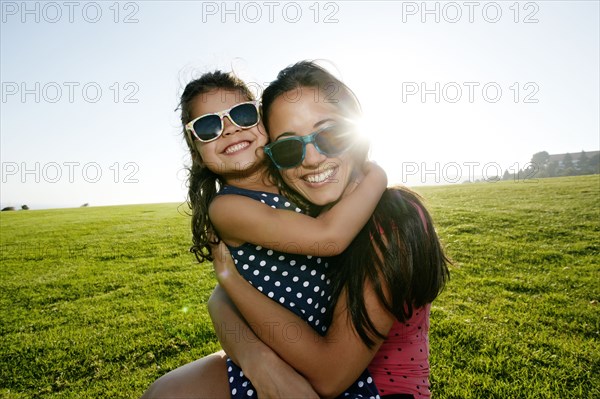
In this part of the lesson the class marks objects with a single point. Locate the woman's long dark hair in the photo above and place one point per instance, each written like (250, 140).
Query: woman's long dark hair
(412, 268)
(203, 183)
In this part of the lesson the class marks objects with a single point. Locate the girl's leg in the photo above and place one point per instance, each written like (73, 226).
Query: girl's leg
(204, 378)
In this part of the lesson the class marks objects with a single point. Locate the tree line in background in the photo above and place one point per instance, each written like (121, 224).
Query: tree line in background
(542, 165)
(26, 208)
(545, 165)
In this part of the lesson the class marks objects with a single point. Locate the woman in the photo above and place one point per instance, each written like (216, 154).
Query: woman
(385, 280)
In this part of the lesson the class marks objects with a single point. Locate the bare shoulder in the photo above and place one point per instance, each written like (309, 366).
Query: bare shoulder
(236, 217)
(232, 206)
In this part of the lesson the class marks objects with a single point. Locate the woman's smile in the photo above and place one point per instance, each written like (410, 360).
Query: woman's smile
(321, 177)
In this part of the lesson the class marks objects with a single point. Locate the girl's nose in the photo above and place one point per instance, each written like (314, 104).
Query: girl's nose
(229, 127)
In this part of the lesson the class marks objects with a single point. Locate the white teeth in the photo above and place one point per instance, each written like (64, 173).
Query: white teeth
(236, 147)
(321, 177)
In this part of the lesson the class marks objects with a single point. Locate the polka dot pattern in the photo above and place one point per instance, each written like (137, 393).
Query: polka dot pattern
(241, 388)
(401, 366)
(297, 282)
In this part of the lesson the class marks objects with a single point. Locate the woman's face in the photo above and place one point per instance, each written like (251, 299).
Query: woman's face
(319, 178)
(236, 149)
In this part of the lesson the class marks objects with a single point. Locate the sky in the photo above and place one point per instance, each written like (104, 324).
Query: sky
(451, 91)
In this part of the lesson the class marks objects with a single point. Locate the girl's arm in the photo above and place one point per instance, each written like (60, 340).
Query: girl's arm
(239, 219)
(270, 375)
(316, 358)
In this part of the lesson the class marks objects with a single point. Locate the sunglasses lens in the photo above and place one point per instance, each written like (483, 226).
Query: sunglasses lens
(334, 140)
(208, 127)
(286, 153)
(244, 115)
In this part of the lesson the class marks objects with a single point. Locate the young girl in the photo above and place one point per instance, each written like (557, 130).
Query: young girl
(231, 197)
(384, 282)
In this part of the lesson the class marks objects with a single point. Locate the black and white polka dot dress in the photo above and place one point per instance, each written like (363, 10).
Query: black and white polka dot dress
(298, 282)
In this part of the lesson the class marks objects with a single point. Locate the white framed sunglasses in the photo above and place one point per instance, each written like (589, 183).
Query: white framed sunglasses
(209, 127)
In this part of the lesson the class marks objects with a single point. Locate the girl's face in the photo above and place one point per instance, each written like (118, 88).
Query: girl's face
(237, 149)
(320, 179)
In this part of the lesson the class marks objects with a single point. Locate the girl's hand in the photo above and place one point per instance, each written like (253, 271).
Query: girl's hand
(271, 376)
(375, 173)
(223, 262)
(372, 176)
(274, 378)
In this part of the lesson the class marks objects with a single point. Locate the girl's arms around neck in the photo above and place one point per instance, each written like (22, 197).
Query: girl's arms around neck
(240, 219)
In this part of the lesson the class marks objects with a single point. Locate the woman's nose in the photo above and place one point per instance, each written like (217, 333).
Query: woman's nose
(312, 157)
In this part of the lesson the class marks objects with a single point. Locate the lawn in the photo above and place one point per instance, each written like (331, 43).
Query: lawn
(98, 302)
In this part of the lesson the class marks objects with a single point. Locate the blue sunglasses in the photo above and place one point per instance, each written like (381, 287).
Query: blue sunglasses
(289, 152)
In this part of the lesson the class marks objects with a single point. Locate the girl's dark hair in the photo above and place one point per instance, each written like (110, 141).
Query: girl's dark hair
(397, 251)
(203, 183)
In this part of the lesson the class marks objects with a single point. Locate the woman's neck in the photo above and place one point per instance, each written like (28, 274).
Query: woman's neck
(353, 182)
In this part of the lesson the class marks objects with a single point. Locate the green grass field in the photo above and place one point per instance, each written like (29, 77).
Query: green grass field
(99, 302)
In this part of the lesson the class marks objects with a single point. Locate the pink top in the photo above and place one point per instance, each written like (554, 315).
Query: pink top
(402, 363)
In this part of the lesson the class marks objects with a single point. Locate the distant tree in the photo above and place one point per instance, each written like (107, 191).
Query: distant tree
(506, 175)
(567, 161)
(84, 205)
(594, 164)
(583, 163)
(540, 159)
(570, 171)
(532, 171)
(8, 208)
(24, 207)
(552, 169)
